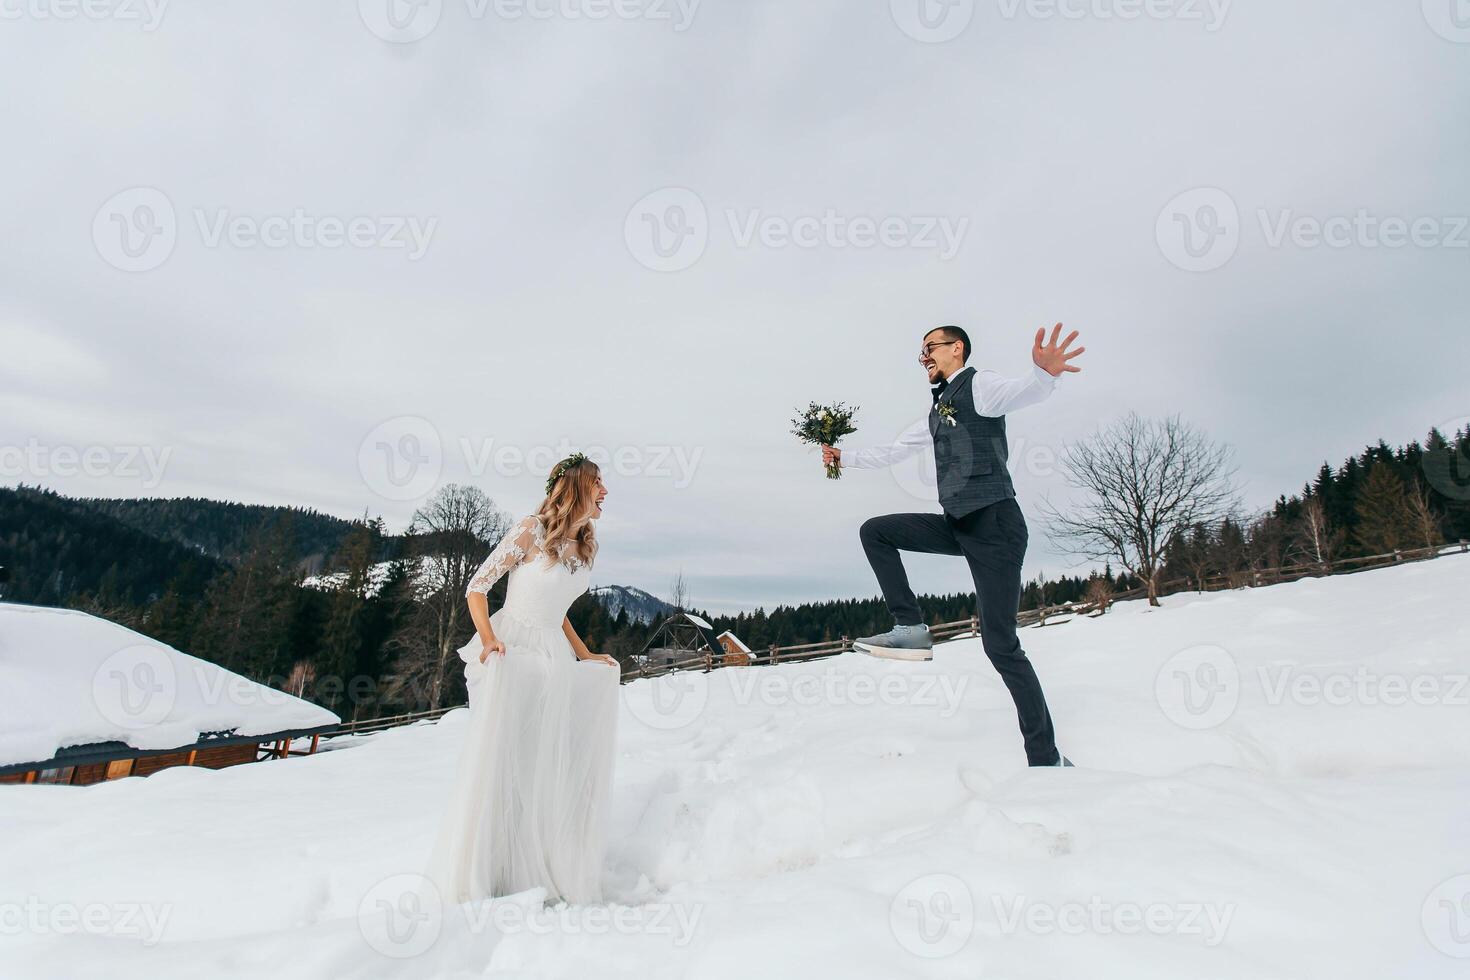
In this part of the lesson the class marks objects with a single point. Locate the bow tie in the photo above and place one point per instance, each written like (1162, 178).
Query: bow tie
(939, 390)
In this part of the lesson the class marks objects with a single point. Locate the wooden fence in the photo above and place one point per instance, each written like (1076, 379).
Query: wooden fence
(960, 628)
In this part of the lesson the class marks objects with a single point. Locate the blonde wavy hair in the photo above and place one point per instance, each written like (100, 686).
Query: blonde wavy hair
(566, 513)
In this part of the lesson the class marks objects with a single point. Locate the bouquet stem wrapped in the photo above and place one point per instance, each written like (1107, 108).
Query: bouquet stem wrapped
(824, 425)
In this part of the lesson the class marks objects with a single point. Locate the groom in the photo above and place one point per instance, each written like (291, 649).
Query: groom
(966, 429)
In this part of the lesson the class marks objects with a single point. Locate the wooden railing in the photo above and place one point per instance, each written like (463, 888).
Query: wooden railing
(960, 628)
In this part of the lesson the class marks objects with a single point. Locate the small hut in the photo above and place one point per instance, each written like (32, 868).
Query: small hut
(85, 700)
(737, 654)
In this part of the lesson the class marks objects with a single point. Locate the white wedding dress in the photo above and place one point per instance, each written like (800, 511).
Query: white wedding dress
(529, 804)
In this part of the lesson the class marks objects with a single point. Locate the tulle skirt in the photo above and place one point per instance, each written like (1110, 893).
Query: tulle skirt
(529, 803)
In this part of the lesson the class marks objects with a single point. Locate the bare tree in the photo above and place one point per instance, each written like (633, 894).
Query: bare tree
(1315, 541)
(1144, 483)
(1426, 522)
(449, 538)
(679, 593)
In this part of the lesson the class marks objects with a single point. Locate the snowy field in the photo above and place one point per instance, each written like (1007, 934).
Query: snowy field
(1271, 783)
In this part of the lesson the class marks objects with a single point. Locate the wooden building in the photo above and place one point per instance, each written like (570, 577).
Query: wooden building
(86, 700)
(737, 654)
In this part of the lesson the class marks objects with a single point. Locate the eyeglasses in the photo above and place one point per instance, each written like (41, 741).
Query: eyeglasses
(928, 348)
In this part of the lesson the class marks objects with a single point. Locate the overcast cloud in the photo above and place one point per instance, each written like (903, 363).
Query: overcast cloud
(249, 245)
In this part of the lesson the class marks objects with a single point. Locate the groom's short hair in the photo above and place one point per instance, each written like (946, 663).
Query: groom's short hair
(952, 334)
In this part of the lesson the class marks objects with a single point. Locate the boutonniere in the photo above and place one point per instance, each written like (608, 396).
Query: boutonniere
(947, 413)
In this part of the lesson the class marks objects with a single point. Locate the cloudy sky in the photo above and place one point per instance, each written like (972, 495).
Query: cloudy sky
(336, 254)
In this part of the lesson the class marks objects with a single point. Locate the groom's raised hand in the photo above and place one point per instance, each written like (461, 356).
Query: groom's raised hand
(830, 455)
(1052, 357)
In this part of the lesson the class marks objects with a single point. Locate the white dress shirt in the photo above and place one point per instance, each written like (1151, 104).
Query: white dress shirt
(995, 395)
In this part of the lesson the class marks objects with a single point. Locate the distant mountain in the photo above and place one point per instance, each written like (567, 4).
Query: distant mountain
(54, 547)
(643, 607)
(223, 529)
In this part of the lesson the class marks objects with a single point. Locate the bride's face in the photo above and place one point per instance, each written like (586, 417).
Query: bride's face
(601, 490)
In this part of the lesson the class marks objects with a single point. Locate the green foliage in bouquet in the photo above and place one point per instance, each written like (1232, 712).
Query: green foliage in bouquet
(823, 425)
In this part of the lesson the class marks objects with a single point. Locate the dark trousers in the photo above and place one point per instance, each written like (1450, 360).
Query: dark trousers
(993, 541)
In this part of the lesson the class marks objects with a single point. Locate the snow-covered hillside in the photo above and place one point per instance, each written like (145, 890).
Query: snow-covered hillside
(1271, 783)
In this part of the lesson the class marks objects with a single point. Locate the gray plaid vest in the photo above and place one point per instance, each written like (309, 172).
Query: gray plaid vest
(970, 455)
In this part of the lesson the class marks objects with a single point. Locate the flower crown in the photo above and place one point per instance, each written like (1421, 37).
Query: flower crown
(560, 469)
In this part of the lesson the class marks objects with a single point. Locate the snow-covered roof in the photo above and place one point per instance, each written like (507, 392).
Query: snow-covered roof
(697, 621)
(739, 643)
(68, 678)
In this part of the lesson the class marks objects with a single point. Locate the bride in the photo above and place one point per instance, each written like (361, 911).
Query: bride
(529, 802)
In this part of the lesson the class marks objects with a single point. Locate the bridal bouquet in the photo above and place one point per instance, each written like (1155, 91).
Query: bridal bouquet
(823, 425)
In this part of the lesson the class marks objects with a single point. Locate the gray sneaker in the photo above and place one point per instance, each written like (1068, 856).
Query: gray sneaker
(899, 643)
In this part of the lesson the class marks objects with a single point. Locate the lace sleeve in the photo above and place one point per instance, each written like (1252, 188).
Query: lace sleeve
(518, 545)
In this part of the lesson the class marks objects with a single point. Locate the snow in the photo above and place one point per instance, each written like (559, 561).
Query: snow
(1300, 811)
(698, 621)
(68, 678)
